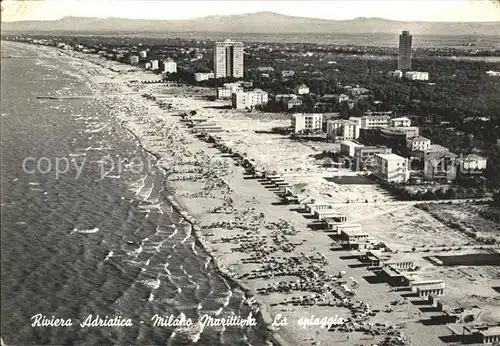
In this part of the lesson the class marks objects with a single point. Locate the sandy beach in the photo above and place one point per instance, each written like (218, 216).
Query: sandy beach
(292, 271)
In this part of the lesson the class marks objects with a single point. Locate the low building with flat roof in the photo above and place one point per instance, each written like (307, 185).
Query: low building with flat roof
(436, 289)
(330, 215)
(417, 75)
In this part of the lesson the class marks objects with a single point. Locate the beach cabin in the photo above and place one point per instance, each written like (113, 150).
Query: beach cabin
(478, 333)
(392, 275)
(270, 176)
(332, 216)
(375, 258)
(436, 289)
(424, 283)
(360, 244)
(208, 129)
(351, 235)
(289, 196)
(402, 261)
(194, 120)
(337, 227)
(281, 185)
(201, 124)
(490, 335)
(311, 207)
(275, 180)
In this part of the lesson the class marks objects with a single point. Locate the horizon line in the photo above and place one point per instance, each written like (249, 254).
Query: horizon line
(239, 14)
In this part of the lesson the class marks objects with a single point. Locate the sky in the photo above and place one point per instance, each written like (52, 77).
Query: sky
(407, 10)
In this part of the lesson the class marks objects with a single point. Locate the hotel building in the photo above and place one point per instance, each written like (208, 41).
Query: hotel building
(228, 59)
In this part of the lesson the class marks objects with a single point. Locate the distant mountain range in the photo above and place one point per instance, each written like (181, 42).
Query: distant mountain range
(260, 22)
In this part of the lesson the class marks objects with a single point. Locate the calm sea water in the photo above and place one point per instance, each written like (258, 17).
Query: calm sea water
(73, 247)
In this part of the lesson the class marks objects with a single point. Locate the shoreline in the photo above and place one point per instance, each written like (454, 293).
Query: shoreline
(263, 315)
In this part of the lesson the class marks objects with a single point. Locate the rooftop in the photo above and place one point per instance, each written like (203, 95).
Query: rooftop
(420, 139)
(391, 157)
(352, 143)
(472, 157)
(491, 331)
(439, 155)
(431, 286)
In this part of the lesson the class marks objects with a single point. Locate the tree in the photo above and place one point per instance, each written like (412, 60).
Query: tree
(496, 200)
(450, 194)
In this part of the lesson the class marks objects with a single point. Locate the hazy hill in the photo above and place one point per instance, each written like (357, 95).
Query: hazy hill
(260, 22)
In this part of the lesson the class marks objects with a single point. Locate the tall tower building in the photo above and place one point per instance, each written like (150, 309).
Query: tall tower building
(404, 55)
(228, 59)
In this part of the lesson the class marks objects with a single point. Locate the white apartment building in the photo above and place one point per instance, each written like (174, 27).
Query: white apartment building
(493, 73)
(147, 66)
(374, 121)
(228, 59)
(391, 167)
(307, 121)
(134, 59)
(302, 89)
(418, 143)
(143, 54)
(473, 162)
(228, 89)
(199, 76)
(169, 66)
(395, 74)
(400, 122)
(249, 99)
(154, 64)
(284, 97)
(348, 148)
(342, 129)
(416, 75)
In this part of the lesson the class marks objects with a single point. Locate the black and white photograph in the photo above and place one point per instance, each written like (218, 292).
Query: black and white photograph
(250, 173)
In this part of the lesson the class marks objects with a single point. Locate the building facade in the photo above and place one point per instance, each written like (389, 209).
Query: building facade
(154, 64)
(228, 59)
(417, 75)
(134, 59)
(440, 165)
(228, 90)
(169, 66)
(249, 99)
(404, 52)
(307, 122)
(341, 129)
(200, 76)
(365, 156)
(418, 143)
(374, 121)
(302, 89)
(348, 148)
(396, 138)
(391, 167)
(400, 122)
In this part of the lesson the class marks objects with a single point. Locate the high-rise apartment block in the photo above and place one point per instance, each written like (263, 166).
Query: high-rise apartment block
(404, 55)
(228, 59)
(169, 66)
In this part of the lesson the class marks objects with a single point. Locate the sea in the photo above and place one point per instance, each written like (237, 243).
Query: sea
(76, 243)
